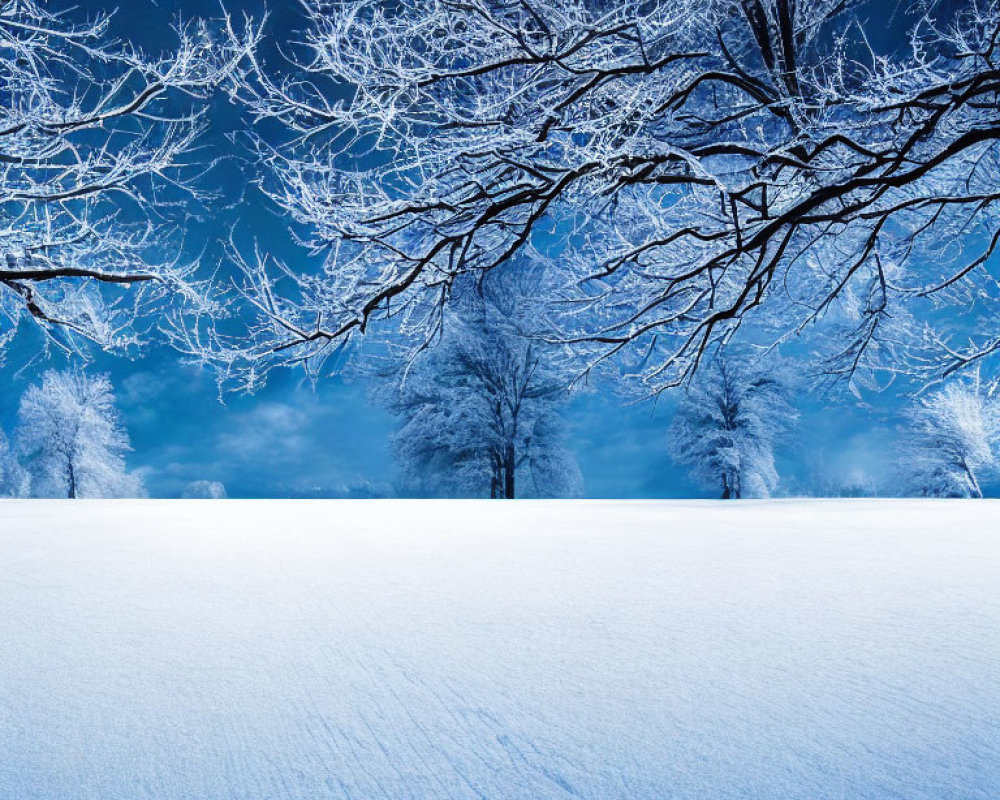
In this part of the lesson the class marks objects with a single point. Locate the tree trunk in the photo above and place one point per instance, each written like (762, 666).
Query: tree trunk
(976, 492)
(725, 487)
(508, 468)
(72, 480)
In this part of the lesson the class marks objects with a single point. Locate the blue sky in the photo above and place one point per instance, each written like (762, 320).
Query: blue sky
(295, 440)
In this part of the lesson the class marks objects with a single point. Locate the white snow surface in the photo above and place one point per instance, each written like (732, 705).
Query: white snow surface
(396, 649)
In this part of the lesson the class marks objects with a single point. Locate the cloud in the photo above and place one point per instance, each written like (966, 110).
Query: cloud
(272, 430)
(141, 388)
(289, 441)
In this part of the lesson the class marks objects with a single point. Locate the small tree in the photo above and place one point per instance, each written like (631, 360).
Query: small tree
(479, 410)
(727, 425)
(205, 490)
(950, 441)
(73, 438)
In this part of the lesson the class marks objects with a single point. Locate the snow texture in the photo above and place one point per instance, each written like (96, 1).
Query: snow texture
(822, 649)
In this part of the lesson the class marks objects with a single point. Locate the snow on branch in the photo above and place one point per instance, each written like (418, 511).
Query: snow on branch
(687, 165)
(95, 139)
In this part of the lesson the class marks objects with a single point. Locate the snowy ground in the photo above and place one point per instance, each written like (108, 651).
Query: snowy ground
(271, 650)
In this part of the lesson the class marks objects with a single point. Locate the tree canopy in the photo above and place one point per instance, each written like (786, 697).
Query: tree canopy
(96, 148)
(687, 167)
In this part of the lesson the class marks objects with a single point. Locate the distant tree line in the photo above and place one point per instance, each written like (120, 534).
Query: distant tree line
(482, 416)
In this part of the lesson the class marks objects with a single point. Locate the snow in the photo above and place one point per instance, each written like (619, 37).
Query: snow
(397, 649)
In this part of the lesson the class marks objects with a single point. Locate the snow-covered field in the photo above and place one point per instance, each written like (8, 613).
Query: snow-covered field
(270, 650)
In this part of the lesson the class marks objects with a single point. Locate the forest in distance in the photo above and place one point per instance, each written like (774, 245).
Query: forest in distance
(497, 229)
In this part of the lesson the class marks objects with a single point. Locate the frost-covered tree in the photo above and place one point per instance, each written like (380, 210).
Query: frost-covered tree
(72, 438)
(96, 144)
(690, 165)
(727, 425)
(479, 409)
(204, 490)
(13, 477)
(950, 441)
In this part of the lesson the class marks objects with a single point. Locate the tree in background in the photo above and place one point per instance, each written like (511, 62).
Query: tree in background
(72, 438)
(728, 422)
(96, 143)
(701, 164)
(204, 490)
(479, 410)
(951, 439)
